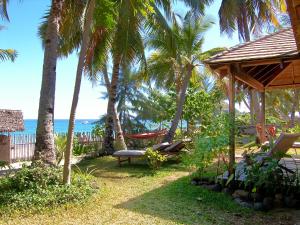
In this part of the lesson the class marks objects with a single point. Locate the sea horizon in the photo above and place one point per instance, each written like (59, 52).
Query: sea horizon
(60, 125)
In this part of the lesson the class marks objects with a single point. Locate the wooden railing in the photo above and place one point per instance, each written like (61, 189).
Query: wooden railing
(22, 145)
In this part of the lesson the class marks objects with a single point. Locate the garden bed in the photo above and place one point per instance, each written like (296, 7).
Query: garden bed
(133, 194)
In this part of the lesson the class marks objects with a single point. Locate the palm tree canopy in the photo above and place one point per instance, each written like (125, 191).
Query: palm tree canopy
(3, 9)
(8, 54)
(247, 16)
(176, 47)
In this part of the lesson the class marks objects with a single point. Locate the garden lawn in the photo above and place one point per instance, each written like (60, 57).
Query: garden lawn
(132, 194)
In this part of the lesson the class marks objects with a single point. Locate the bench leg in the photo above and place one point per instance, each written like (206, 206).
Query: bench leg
(119, 161)
(129, 160)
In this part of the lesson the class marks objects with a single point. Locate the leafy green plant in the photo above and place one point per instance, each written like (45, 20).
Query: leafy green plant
(38, 186)
(98, 130)
(60, 141)
(264, 176)
(155, 159)
(212, 142)
(4, 165)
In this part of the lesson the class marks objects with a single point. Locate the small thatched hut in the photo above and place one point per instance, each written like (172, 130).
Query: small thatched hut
(11, 120)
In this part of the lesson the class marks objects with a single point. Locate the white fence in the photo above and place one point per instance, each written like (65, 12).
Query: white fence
(22, 145)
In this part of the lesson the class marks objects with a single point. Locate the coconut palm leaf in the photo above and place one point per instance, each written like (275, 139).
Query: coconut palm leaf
(3, 9)
(8, 54)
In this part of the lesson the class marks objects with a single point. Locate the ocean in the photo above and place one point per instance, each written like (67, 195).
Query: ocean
(60, 126)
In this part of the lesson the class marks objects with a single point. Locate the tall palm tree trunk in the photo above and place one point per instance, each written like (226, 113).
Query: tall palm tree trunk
(84, 46)
(170, 135)
(44, 146)
(112, 115)
(115, 115)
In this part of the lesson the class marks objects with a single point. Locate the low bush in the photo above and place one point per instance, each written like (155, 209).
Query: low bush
(81, 149)
(155, 159)
(36, 187)
(210, 144)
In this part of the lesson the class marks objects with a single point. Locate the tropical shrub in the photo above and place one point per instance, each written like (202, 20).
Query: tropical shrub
(264, 177)
(212, 142)
(60, 141)
(4, 165)
(39, 186)
(154, 158)
(98, 130)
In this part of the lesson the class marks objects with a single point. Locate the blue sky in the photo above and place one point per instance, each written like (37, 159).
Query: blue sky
(21, 80)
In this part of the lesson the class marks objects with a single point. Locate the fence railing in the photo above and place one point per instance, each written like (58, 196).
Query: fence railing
(22, 145)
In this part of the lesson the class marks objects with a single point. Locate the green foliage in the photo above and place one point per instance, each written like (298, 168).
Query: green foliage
(105, 14)
(295, 129)
(60, 141)
(155, 159)
(274, 120)
(8, 54)
(98, 130)
(266, 176)
(219, 126)
(242, 119)
(80, 149)
(200, 105)
(35, 177)
(212, 141)
(4, 165)
(39, 186)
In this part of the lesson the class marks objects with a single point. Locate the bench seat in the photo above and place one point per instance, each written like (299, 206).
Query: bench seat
(131, 153)
(128, 154)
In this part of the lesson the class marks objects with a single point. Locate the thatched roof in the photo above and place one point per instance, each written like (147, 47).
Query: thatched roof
(11, 120)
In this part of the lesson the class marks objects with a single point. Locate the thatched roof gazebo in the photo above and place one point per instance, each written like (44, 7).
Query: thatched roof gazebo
(267, 63)
(11, 120)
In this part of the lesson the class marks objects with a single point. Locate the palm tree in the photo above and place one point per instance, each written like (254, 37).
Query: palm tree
(127, 46)
(177, 55)
(283, 104)
(249, 17)
(84, 46)
(69, 35)
(44, 146)
(8, 54)
(3, 9)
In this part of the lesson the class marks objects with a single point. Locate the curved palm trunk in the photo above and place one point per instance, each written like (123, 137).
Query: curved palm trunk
(84, 45)
(170, 135)
(113, 110)
(112, 116)
(44, 146)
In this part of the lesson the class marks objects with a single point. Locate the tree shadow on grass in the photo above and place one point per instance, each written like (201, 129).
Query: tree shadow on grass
(107, 167)
(183, 203)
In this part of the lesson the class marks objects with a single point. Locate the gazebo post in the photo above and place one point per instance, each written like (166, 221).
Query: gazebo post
(231, 121)
(263, 116)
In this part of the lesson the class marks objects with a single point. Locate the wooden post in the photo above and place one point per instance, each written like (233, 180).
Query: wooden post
(231, 121)
(263, 116)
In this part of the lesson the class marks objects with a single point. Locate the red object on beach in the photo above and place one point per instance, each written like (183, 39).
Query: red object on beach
(147, 135)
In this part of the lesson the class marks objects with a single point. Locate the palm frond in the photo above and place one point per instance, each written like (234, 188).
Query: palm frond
(3, 9)
(8, 54)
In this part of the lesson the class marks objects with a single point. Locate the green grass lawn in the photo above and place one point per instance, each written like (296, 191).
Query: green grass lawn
(132, 194)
